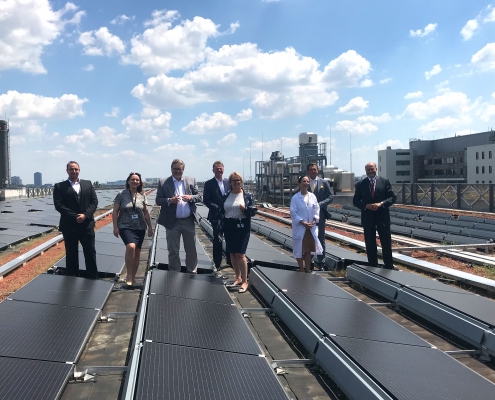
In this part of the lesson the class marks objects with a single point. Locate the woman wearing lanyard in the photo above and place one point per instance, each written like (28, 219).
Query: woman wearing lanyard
(130, 217)
(304, 213)
(238, 208)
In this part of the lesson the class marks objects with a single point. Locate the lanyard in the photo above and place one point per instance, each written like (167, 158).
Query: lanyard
(133, 201)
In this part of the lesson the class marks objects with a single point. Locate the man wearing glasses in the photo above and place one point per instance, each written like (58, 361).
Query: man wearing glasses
(177, 196)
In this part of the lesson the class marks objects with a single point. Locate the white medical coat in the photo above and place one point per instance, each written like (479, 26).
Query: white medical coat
(300, 211)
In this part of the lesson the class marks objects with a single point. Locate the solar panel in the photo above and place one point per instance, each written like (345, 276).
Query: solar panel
(34, 380)
(354, 319)
(197, 287)
(44, 331)
(65, 291)
(195, 323)
(412, 372)
(107, 265)
(478, 233)
(424, 234)
(304, 283)
(184, 373)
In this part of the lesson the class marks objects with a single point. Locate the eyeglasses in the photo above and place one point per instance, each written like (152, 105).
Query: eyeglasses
(177, 169)
(235, 180)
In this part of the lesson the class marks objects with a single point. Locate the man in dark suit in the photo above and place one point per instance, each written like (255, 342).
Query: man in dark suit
(213, 191)
(373, 196)
(177, 196)
(75, 199)
(321, 189)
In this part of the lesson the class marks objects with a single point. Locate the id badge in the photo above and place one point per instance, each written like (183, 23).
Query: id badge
(134, 216)
(240, 225)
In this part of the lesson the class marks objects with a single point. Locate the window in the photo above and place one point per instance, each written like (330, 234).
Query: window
(402, 153)
(477, 170)
(437, 161)
(380, 158)
(462, 171)
(490, 154)
(489, 181)
(482, 170)
(482, 181)
(477, 181)
(489, 169)
(482, 155)
(380, 168)
(477, 155)
(403, 173)
(439, 172)
(402, 162)
(450, 160)
(460, 160)
(428, 161)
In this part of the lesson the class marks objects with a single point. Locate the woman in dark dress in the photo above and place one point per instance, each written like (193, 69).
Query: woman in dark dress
(130, 217)
(238, 208)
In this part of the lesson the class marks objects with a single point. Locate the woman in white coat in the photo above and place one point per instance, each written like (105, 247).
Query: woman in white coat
(305, 213)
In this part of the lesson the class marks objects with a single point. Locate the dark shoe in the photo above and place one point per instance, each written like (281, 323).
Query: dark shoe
(321, 267)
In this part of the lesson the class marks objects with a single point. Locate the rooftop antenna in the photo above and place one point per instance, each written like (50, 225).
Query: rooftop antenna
(350, 149)
(330, 143)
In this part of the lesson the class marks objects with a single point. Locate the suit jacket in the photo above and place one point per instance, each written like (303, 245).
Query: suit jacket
(67, 204)
(324, 196)
(166, 190)
(383, 193)
(212, 196)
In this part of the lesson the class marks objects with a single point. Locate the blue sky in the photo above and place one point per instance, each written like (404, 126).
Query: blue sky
(123, 86)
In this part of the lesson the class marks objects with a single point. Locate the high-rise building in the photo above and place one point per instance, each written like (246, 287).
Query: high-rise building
(38, 182)
(15, 181)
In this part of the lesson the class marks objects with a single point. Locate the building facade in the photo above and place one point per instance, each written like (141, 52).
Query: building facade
(16, 181)
(481, 164)
(396, 165)
(38, 181)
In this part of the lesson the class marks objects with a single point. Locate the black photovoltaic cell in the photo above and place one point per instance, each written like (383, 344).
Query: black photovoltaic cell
(44, 331)
(161, 257)
(109, 249)
(65, 291)
(106, 264)
(412, 373)
(34, 380)
(354, 319)
(195, 323)
(185, 373)
(304, 283)
(196, 287)
(108, 238)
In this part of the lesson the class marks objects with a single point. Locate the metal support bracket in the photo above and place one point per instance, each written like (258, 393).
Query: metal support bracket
(295, 361)
(87, 374)
(246, 311)
(110, 317)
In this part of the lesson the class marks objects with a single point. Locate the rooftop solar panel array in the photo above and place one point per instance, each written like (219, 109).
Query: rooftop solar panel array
(364, 352)
(45, 326)
(197, 344)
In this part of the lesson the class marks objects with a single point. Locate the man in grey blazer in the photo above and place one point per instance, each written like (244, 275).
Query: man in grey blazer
(321, 189)
(177, 196)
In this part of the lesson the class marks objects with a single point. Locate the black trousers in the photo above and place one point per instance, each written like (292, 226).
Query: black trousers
(217, 248)
(321, 238)
(87, 239)
(385, 240)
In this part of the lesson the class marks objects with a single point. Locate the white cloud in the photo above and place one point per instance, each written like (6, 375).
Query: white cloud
(443, 87)
(280, 84)
(114, 113)
(366, 83)
(245, 115)
(490, 17)
(31, 106)
(128, 153)
(210, 123)
(393, 143)
(153, 128)
(26, 28)
(355, 106)
(414, 95)
(386, 80)
(434, 71)
(423, 32)
(204, 143)
(381, 119)
(227, 140)
(441, 124)
(355, 128)
(88, 68)
(20, 130)
(105, 135)
(485, 58)
(163, 48)
(444, 105)
(175, 148)
(469, 29)
(289, 145)
(101, 43)
(121, 19)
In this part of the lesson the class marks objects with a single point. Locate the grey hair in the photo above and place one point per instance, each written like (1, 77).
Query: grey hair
(178, 161)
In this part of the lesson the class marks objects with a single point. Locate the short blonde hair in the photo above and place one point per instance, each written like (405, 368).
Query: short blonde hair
(235, 175)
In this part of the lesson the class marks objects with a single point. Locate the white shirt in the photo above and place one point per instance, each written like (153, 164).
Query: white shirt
(75, 185)
(183, 209)
(220, 185)
(232, 206)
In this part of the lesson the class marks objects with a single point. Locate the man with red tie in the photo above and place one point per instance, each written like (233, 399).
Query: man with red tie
(373, 196)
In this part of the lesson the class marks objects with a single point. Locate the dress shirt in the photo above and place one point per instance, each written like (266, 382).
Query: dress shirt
(374, 182)
(313, 182)
(76, 186)
(232, 206)
(183, 209)
(220, 185)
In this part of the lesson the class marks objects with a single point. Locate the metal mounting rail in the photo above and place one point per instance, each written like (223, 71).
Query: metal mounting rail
(22, 259)
(444, 247)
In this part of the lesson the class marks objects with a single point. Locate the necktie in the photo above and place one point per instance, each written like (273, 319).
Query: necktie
(372, 182)
(313, 186)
